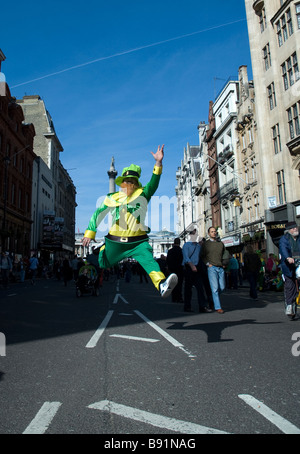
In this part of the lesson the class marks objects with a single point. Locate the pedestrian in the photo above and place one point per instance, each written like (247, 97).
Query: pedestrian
(174, 264)
(192, 274)
(6, 268)
(142, 273)
(127, 235)
(234, 271)
(33, 266)
(289, 250)
(271, 266)
(212, 254)
(21, 269)
(74, 266)
(252, 266)
(162, 262)
(66, 270)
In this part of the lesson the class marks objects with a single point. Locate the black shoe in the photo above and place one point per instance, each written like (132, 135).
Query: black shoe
(205, 309)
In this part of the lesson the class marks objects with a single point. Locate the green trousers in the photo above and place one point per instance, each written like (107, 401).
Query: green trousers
(141, 251)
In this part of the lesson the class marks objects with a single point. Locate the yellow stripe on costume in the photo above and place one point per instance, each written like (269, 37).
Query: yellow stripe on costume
(90, 234)
(157, 170)
(156, 277)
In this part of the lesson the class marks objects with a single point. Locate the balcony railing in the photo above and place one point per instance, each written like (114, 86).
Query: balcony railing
(228, 188)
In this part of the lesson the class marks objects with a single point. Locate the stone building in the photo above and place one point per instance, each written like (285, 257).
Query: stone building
(274, 36)
(54, 196)
(251, 197)
(192, 190)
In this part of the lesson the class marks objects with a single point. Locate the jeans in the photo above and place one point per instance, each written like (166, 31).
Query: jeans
(216, 276)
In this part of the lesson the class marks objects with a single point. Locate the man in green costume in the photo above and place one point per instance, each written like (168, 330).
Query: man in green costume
(127, 236)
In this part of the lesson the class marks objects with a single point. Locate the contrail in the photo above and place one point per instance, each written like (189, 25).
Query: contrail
(128, 52)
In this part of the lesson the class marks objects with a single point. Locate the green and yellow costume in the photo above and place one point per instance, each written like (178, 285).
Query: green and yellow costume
(127, 236)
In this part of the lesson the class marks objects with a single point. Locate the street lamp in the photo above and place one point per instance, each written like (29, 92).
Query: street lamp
(183, 206)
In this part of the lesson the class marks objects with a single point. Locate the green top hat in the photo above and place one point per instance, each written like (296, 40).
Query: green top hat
(132, 171)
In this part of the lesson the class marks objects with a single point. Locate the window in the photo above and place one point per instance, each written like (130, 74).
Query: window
(250, 135)
(276, 139)
(253, 169)
(13, 193)
(293, 121)
(20, 198)
(271, 96)
(281, 187)
(284, 27)
(289, 22)
(290, 71)
(297, 6)
(262, 20)
(267, 57)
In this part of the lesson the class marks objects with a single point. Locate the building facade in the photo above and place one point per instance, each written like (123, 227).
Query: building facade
(54, 194)
(229, 181)
(252, 212)
(17, 157)
(193, 189)
(274, 36)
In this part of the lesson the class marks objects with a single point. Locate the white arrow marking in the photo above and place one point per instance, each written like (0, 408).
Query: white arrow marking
(134, 338)
(43, 418)
(153, 419)
(94, 339)
(283, 424)
(164, 334)
(118, 295)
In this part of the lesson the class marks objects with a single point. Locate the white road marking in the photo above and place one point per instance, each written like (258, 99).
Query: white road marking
(43, 418)
(153, 419)
(94, 339)
(169, 338)
(118, 295)
(134, 338)
(283, 424)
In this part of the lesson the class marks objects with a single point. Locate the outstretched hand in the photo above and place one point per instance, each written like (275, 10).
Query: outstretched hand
(159, 155)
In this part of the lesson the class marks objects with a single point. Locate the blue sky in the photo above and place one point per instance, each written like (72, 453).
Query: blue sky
(120, 78)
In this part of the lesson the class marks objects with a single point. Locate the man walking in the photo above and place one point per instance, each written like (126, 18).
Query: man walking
(212, 255)
(174, 264)
(6, 268)
(191, 256)
(289, 249)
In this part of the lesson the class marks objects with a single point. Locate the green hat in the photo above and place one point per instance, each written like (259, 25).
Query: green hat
(132, 171)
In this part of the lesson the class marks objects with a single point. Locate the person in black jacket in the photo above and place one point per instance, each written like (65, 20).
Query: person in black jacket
(289, 250)
(252, 265)
(174, 264)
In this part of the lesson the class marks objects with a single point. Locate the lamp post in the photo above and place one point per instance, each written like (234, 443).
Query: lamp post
(183, 221)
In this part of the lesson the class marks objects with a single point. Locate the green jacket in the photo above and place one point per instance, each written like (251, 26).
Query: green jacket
(128, 213)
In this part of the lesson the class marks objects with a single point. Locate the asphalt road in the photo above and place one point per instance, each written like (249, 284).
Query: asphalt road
(128, 362)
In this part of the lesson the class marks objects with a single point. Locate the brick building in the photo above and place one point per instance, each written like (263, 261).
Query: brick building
(16, 162)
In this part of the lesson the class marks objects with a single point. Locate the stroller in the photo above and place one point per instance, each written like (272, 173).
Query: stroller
(87, 281)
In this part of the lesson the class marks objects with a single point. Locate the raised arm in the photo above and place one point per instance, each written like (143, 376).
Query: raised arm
(158, 156)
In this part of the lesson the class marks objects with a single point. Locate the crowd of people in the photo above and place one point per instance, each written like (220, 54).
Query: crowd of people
(203, 265)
